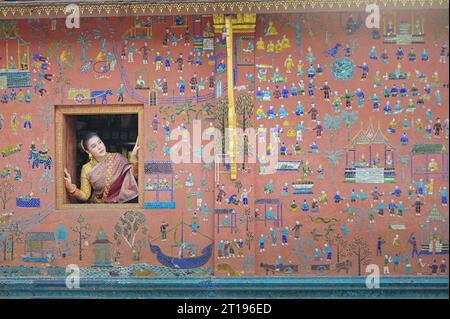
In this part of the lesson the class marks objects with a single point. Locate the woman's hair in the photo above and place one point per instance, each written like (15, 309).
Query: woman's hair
(86, 137)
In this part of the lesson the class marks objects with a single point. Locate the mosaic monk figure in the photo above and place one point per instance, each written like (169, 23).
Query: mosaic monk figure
(107, 177)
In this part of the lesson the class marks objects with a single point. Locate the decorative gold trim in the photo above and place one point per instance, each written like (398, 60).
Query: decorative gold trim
(242, 23)
(25, 9)
(60, 112)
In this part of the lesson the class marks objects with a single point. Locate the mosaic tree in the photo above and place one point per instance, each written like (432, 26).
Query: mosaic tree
(46, 113)
(222, 118)
(250, 151)
(4, 247)
(249, 238)
(303, 248)
(349, 118)
(83, 232)
(248, 218)
(341, 246)
(332, 124)
(39, 31)
(152, 146)
(131, 229)
(185, 111)
(334, 157)
(61, 50)
(8, 30)
(244, 111)
(360, 249)
(298, 33)
(84, 40)
(205, 111)
(238, 184)
(6, 188)
(102, 31)
(206, 169)
(403, 160)
(14, 237)
(45, 180)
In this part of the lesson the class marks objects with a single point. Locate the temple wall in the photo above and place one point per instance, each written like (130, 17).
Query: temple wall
(80, 63)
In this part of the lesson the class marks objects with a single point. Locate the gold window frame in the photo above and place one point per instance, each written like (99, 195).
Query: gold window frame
(61, 153)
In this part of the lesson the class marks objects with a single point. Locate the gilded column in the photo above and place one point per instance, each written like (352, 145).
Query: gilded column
(231, 109)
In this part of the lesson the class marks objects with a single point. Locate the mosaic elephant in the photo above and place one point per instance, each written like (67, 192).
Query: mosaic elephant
(103, 94)
(37, 159)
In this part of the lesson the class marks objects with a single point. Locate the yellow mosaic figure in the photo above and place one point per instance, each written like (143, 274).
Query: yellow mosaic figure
(433, 166)
(270, 47)
(377, 79)
(419, 125)
(260, 45)
(393, 124)
(285, 42)
(260, 113)
(362, 161)
(431, 186)
(271, 30)
(100, 57)
(435, 78)
(323, 199)
(337, 102)
(377, 161)
(20, 96)
(418, 28)
(208, 32)
(14, 122)
(300, 67)
(289, 63)
(278, 47)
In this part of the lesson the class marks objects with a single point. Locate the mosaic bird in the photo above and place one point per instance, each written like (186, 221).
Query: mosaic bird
(333, 51)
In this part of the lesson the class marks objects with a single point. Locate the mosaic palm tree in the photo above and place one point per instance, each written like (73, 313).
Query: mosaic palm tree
(206, 169)
(349, 118)
(84, 40)
(332, 124)
(334, 157)
(206, 111)
(403, 160)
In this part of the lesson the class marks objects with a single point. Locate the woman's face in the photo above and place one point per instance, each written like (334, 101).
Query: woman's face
(96, 147)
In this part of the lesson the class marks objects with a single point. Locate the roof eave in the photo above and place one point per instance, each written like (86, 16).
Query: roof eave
(90, 8)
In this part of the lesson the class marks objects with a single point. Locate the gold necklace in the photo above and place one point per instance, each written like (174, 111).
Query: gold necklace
(108, 176)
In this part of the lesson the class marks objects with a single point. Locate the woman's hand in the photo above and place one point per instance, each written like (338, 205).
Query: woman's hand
(134, 152)
(67, 180)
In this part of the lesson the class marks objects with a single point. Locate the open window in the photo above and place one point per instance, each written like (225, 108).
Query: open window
(117, 126)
